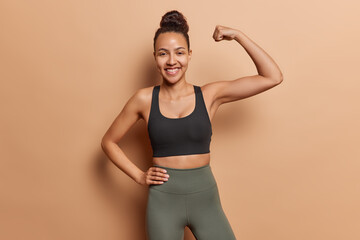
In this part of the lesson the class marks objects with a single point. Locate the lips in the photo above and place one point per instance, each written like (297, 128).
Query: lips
(172, 71)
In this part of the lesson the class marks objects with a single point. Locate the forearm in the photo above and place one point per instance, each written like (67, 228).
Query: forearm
(265, 65)
(117, 156)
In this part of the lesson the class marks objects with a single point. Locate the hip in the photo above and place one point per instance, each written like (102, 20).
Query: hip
(186, 181)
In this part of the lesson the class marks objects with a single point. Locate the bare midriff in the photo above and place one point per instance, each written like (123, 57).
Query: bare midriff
(183, 161)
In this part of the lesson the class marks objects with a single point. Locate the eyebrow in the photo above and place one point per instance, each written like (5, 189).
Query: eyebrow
(168, 50)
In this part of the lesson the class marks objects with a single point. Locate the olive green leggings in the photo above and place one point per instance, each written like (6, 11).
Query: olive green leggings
(190, 198)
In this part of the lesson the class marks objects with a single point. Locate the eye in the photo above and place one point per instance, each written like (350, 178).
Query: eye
(180, 53)
(162, 53)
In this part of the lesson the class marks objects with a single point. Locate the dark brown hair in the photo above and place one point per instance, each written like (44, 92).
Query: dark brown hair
(173, 21)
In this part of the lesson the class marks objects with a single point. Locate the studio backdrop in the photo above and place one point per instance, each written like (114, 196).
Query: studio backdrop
(286, 160)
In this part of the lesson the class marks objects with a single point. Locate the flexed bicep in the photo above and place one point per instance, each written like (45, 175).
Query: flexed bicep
(244, 87)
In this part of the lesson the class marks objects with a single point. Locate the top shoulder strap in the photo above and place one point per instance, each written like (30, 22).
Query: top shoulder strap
(154, 101)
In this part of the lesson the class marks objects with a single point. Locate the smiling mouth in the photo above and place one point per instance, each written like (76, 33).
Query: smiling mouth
(172, 71)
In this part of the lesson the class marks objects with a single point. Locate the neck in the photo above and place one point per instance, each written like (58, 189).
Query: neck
(177, 90)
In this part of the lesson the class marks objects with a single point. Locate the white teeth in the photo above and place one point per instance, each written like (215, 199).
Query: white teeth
(172, 70)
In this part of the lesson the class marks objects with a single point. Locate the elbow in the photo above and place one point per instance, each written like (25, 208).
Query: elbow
(278, 79)
(103, 144)
(106, 143)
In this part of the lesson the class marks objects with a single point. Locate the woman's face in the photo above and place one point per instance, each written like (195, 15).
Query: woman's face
(172, 56)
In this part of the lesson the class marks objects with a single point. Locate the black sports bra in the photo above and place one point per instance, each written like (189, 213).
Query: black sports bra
(179, 136)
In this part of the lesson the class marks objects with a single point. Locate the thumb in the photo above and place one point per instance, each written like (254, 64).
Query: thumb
(219, 38)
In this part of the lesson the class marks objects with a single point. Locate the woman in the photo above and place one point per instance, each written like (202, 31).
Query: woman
(182, 188)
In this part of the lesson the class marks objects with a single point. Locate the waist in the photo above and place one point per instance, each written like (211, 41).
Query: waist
(183, 161)
(185, 181)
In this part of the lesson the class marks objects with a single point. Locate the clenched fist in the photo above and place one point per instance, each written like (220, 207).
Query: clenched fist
(224, 33)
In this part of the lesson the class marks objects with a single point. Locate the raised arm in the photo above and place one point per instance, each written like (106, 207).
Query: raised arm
(269, 74)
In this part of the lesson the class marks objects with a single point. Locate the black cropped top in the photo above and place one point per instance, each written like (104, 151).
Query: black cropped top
(179, 136)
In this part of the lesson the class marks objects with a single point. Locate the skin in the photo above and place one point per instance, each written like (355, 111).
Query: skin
(177, 99)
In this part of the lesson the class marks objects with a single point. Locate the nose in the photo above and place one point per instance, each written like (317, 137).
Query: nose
(171, 60)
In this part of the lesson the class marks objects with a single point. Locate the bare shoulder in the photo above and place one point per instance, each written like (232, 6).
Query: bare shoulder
(133, 110)
(142, 98)
(143, 94)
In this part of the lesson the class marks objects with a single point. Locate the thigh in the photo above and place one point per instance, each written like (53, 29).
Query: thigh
(206, 216)
(165, 215)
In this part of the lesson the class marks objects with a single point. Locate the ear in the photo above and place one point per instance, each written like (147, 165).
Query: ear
(190, 54)
(154, 55)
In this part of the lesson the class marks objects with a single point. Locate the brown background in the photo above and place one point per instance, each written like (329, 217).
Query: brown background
(286, 161)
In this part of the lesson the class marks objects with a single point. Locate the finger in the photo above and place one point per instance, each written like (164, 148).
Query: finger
(157, 175)
(154, 182)
(218, 37)
(149, 181)
(216, 32)
(215, 36)
(162, 173)
(157, 169)
(154, 177)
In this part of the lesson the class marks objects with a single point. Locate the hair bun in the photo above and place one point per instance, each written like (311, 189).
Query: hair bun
(176, 20)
